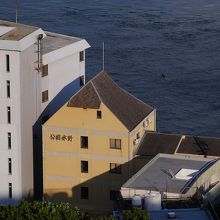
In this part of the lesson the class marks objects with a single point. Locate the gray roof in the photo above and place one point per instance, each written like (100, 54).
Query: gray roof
(128, 109)
(153, 143)
(55, 41)
(156, 175)
(181, 214)
(20, 31)
(200, 145)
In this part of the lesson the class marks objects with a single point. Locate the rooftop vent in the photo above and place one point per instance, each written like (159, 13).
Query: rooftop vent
(185, 174)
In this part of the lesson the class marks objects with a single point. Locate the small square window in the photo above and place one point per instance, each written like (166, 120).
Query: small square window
(84, 166)
(45, 96)
(81, 56)
(44, 70)
(84, 193)
(115, 143)
(115, 168)
(99, 114)
(84, 142)
(114, 194)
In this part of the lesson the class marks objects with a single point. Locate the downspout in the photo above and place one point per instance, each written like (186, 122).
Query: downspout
(129, 155)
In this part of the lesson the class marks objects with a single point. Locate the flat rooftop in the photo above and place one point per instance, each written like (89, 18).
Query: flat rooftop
(181, 214)
(13, 31)
(55, 41)
(168, 173)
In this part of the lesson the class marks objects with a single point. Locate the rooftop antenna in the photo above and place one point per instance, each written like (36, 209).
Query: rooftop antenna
(103, 55)
(16, 19)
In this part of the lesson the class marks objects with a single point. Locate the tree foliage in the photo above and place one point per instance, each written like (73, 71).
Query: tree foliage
(135, 214)
(62, 211)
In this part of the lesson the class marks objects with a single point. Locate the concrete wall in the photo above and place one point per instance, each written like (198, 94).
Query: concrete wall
(62, 158)
(14, 128)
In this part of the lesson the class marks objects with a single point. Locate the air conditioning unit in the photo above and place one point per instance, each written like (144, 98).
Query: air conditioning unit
(136, 141)
(146, 122)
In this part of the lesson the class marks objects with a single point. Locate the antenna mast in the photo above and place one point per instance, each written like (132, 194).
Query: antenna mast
(103, 55)
(16, 19)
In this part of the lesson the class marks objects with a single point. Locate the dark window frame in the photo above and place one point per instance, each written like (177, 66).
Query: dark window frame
(81, 81)
(9, 140)
(9, 166)
(10, 190)
(98, 114)
(7, 63)
(44, 70)
(115, 168)
(84, 142)
(8, 86)
(45, 96)
(81, 56)
(84, 166)
(9, 114)
(115, 143)
(84, 192)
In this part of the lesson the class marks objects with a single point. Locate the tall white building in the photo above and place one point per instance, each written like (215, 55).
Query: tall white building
(38, 72)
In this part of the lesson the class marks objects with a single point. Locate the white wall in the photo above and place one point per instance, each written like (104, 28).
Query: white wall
(60, 74)
(26, 106)
(29, 114)
(14, 128)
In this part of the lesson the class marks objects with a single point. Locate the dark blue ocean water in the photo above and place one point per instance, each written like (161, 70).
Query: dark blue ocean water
(144, 39)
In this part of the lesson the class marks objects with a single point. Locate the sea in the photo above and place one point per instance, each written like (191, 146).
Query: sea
(165, 52)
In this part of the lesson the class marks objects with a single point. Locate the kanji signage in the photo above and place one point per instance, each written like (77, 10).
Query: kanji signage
(59, 137)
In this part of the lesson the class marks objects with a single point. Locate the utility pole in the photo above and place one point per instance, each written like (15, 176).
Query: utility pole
(103, 55)
(16, 19)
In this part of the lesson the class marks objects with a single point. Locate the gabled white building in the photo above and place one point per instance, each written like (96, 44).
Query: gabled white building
(38, 71)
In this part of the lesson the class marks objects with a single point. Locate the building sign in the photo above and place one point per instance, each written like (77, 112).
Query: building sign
(59, 137)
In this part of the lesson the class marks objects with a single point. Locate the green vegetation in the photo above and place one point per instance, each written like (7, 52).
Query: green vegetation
(62, 211)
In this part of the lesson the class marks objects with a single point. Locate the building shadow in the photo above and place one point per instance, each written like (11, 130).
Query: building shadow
(103, 190)
(59, 100)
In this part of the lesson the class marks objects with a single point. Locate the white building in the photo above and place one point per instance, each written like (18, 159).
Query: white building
(38, 71)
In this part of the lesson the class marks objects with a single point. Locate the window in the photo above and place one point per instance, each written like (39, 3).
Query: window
(114, 194)
(81, 56)
(44, 70)
(115, 168)
(9, 114)
(84, 142)
(10, 190)
(81, 82)
(84, 166)
(99, 114)
(7, 63)
(8, 89)
(9, 140)
(9, 166)
(84, 193)
(45, 96)
(138, 135)
(115, 143)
